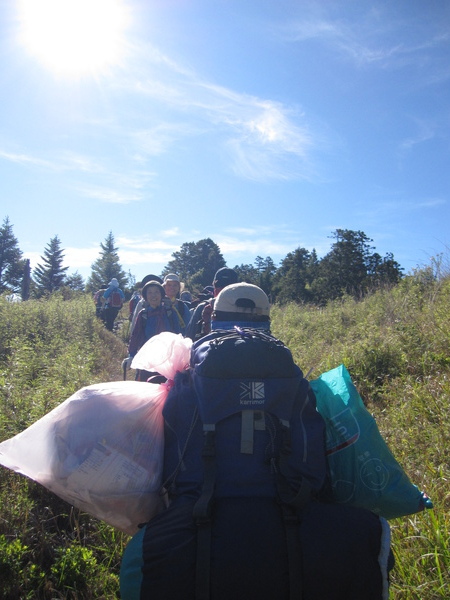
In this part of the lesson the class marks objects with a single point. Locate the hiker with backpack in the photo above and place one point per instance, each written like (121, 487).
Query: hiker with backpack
(141, 301)
(99, 303)
(113, 301)
(154, 318)
(200, 321)
(173, 288)
(249, 514)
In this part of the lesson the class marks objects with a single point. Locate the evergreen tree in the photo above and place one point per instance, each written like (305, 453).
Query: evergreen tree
(384, 271)
(196, 263)
(26, 281)
(106, 267)
(266, 270)
(247, 273)
(50, 275)
(293, 277)
(11, 263)
(75, 282)
(352, 268)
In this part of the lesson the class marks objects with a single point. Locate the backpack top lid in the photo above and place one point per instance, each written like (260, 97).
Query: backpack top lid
(243, 369)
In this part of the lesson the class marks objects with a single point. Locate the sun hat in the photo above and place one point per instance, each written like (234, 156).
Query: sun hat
(150, 278)
(155, 284)
(173, 277)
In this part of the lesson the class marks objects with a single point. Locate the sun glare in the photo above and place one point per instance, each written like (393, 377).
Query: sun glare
(74, 37)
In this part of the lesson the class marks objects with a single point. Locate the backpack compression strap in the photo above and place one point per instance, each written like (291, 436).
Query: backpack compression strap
(202, 516)
(290, 503)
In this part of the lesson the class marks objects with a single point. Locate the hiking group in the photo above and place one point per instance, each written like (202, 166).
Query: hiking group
(248, 510)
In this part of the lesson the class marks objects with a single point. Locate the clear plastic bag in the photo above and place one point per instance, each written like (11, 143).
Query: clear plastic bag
(102, 448)
(165, 353)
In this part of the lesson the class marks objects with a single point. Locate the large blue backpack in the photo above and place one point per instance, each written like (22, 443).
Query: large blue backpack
(242, 422)
(244, 460)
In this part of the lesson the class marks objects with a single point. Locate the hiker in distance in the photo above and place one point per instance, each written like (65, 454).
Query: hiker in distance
(200, 322)
(141, 302)
(248, 513)
(173, 288)
(154, 318)
(113, 301)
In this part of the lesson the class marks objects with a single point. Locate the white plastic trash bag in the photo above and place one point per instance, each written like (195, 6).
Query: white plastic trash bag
(102, 449)
(165, 353)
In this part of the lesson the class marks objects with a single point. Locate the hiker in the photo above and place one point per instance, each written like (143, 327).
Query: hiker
(206, 294)
(245, 477)
(154, 318)
(200, 322)
(186, 296)
(173, 287)
(134, 300)
(141, 303)
(99, 302)
(113, 301)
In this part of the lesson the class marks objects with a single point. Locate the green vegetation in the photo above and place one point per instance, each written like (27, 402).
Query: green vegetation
(395, 343)
(351, 267)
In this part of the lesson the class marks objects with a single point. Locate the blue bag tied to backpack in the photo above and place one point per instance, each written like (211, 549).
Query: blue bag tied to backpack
(363, 470)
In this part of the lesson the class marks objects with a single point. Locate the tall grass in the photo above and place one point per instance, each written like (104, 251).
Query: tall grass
(48, 350)
(395, 343)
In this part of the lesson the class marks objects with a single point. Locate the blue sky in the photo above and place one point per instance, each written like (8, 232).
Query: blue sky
(262, 124)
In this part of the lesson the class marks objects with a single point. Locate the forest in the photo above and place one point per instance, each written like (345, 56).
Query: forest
(352, 268)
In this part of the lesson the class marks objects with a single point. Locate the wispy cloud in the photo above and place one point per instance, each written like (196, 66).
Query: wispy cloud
(64, 161)
(378, 36)
(109, 195)
(262, 138)
(425, 132)
(26, 159)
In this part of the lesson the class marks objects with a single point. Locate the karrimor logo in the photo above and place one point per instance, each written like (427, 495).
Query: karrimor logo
(252, 393)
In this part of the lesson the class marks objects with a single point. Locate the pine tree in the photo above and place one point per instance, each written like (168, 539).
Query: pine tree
(50, 275)
(106, 267)
(26, 281)
(75, 282)
(196, 263)
(11, 263)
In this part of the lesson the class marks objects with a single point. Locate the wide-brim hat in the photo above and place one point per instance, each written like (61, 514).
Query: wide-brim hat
(173, 277)
(150, 278)
(155, 284)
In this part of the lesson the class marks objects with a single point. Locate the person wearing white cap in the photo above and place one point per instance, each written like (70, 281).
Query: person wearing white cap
(242, 304)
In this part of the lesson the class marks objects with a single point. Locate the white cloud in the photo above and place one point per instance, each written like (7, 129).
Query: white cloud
(111, 196)
(264, 139)
(26, 159)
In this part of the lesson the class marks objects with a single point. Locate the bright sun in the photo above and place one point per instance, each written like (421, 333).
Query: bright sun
(74, 37)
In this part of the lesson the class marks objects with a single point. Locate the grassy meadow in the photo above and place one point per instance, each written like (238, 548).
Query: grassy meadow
(395, 343)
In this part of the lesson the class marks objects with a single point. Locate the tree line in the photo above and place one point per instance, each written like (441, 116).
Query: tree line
(351, 267)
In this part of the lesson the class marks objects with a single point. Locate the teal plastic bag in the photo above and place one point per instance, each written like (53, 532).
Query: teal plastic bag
(363, 470)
